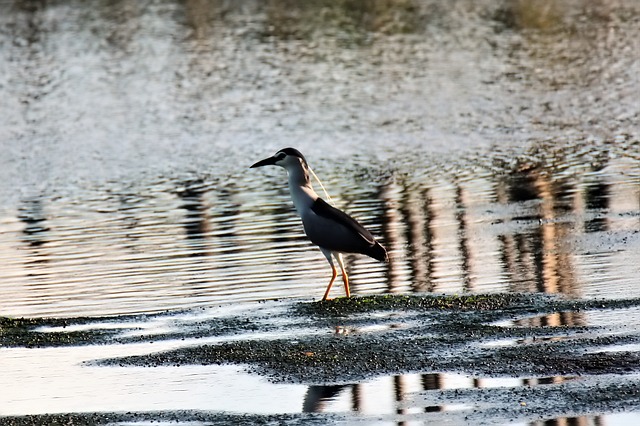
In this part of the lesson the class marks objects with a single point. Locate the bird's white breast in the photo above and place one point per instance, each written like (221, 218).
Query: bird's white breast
(303, 198)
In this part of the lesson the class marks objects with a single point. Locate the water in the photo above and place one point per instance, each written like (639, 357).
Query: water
(491, 146)
(175, 245)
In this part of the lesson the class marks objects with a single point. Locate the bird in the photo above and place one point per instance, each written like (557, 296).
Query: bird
(331, 229)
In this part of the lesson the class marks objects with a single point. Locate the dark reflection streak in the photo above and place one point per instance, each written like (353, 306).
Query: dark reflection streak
(463, 238)
(597, 198)
(525, 186)
(356, 398)
(429, 255)
(526, 268)
(413, 236)
(318, 395)
(36, 234)
(390, 226)
(197, 232)
(431, 381)
(418, 216)
(508, 254)
(537, 253)
(521, 186)
(398, 390)
(380, 218)
(32, 215)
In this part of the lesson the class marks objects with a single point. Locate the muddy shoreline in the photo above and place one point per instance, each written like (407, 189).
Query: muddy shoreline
(345, 341)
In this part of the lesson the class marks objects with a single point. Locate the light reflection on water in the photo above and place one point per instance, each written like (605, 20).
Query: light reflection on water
(224, 388)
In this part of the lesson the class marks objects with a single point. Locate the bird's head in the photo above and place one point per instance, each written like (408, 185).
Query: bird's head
(288, 158)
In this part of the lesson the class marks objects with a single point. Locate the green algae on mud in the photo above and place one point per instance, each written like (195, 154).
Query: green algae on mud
(351, 305)
(487, 305)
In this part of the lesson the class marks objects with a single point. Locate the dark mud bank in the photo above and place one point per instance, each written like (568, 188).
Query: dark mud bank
(344, 340)
(504, 334)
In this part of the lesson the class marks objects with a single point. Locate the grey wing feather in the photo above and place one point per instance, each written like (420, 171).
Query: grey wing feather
(324, 209)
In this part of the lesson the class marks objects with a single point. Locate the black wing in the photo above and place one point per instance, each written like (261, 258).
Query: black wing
(326, 210)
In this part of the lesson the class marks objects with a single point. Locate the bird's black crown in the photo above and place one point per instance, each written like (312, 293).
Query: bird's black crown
(293, 152)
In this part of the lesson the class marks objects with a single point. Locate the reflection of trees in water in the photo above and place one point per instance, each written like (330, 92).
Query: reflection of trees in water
(463, 238)
(533, 255)
(392, 224)
(417, 217)
(540, 209)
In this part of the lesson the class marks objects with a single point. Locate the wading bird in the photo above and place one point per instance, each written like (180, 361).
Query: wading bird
(334, 231)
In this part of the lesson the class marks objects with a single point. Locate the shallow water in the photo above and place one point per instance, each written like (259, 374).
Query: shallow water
(109, 251)
(491, 146)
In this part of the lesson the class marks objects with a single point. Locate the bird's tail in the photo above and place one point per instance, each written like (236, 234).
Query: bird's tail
(378, 252)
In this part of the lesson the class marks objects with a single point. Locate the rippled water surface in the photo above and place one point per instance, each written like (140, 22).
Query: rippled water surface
(492, 146)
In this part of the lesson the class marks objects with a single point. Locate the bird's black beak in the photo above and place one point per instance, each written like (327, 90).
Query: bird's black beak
(266, 162)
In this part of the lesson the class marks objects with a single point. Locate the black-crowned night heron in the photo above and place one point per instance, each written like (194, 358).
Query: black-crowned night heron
(334, 231)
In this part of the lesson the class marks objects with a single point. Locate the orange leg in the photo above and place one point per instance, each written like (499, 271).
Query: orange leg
(333, 278)
(345, 277)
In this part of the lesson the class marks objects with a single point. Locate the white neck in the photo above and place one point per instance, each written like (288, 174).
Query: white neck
(302, 194)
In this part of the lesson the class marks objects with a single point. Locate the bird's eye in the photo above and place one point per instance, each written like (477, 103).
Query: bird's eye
(280, 156)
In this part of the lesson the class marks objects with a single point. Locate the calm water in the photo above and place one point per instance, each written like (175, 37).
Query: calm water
(491, 146)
